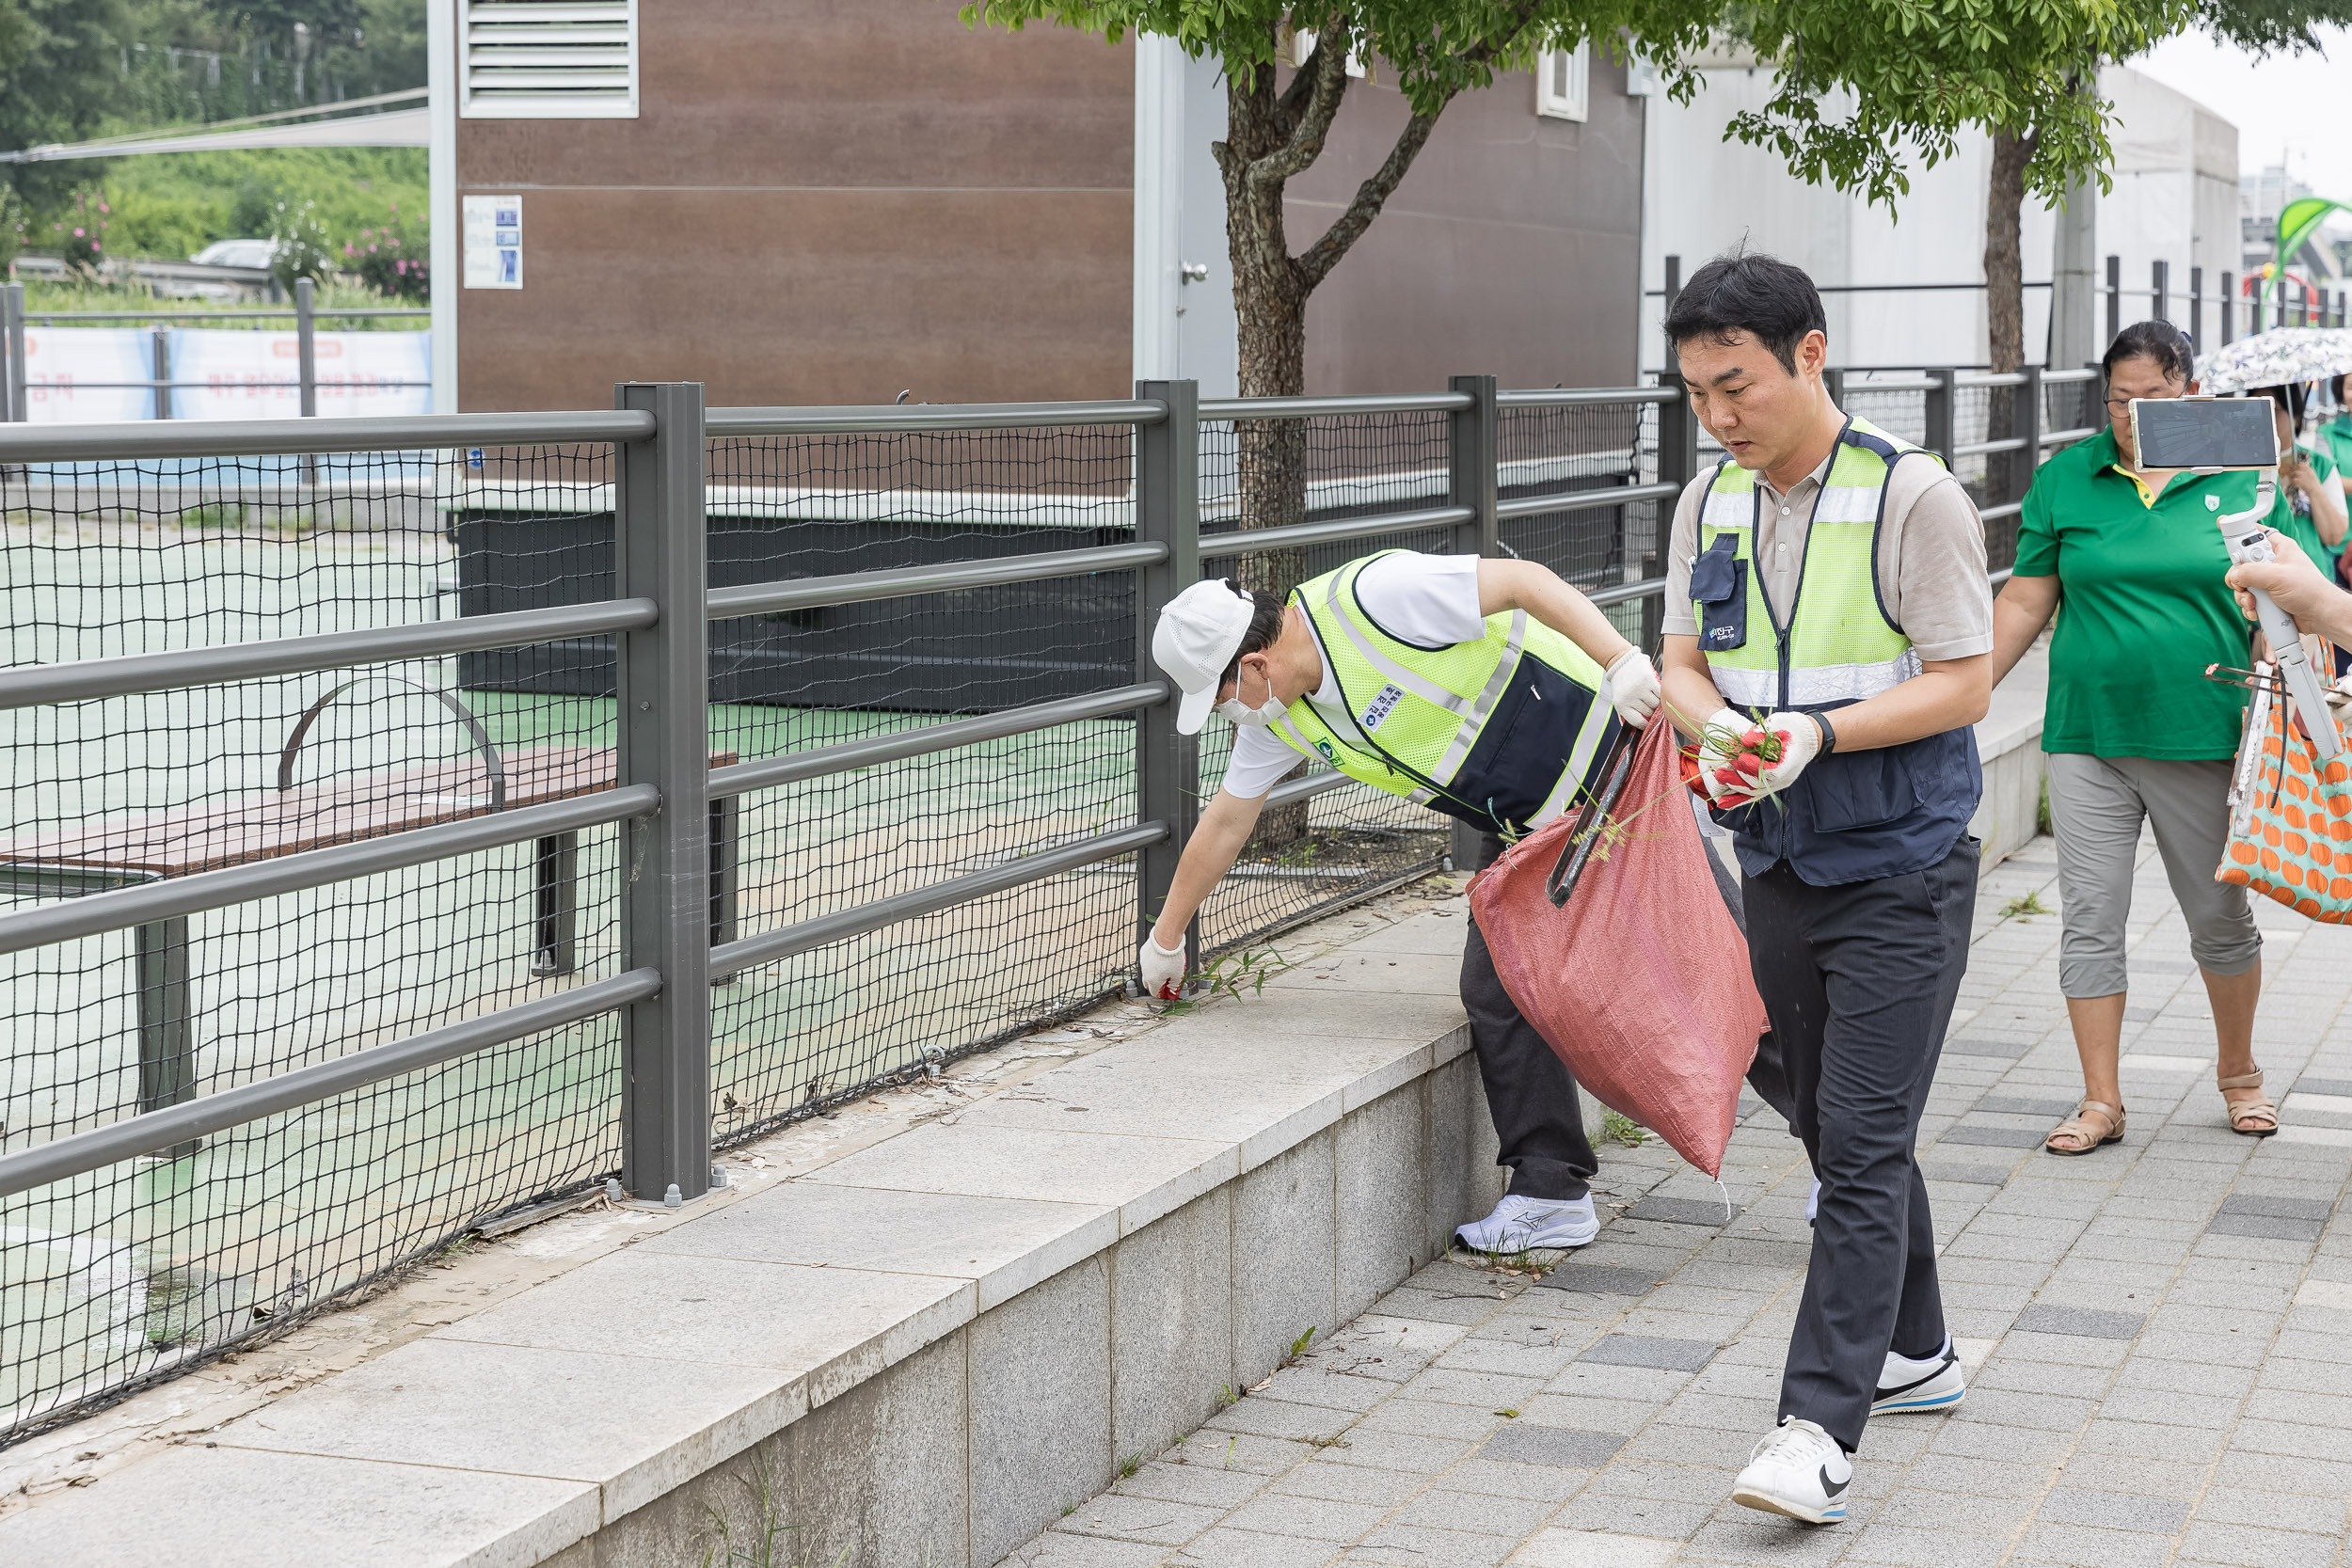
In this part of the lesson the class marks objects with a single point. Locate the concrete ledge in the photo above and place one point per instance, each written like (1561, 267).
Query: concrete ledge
(921, 1350)
(2009, 742)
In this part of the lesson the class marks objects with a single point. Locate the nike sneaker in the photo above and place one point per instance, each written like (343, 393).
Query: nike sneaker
(1933, 1383)
(1799, 1472)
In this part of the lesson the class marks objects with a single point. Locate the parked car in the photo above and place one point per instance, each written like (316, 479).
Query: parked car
(236, 253)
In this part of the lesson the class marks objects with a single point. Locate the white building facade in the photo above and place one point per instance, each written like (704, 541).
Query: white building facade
(2174, 200)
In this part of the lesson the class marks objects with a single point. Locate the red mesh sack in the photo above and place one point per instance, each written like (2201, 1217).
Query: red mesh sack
(1607, 930)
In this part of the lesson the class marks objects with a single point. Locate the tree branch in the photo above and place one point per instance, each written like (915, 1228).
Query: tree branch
(1294, 99)
(1305, 144)
(1486, 53)
(1371, 196)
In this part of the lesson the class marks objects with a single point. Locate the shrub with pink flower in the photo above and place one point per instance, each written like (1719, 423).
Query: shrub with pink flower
(80, 233)
(389, 261)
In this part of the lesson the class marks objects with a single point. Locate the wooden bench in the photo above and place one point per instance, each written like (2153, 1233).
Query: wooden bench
(124, 850)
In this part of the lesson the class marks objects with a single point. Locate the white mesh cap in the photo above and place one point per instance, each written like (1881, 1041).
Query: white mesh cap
(1197, 635)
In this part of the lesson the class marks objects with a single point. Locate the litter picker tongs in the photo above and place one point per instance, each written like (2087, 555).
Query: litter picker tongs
(1593, 815)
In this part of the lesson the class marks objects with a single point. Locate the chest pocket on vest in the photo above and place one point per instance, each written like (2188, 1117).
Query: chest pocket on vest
(1719, 586)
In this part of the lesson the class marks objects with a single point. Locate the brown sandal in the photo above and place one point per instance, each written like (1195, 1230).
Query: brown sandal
(2253, 1118)
(2079, 1130)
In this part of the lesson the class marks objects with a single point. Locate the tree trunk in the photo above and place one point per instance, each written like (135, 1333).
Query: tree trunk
(2004, 268)
(1271, 326)
(2005, 303)
(1270, 136)
(1270, 333)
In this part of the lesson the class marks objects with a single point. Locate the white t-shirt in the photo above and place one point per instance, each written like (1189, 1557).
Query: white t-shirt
(1428, 599)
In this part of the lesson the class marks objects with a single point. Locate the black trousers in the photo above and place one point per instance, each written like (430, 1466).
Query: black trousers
(1859, 982)
(1532, 1096)
(1528, 1092)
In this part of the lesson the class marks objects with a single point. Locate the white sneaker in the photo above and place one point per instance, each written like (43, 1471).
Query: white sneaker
(1813, 1202)
(1799, 1472)
(1522, 1223)
(1932, 1383)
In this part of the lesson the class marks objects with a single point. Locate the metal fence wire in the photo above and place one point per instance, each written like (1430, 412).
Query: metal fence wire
(130, 1272)
(413, 821)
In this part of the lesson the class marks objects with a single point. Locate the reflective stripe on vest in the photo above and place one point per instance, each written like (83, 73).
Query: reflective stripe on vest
(1838, 645)
(1427, 708)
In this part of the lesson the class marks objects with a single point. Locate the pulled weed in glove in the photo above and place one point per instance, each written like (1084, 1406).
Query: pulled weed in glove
(1735, 757)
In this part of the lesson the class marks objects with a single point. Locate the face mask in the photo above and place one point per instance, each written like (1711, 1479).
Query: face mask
(1263, 715)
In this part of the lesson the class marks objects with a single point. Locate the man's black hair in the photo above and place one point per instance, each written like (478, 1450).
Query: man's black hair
(1265, 624)
(2160, 341)
(2289, 397)
(1761, 297)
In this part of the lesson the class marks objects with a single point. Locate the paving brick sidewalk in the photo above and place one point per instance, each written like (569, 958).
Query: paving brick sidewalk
(2157, 1333)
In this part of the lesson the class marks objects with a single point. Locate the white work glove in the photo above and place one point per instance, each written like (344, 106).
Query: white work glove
(1630, 684)
(1799, 743)
(1721, 793)
(1163, 969)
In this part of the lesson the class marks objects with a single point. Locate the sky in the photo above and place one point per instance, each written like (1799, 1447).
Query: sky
(2297, 103)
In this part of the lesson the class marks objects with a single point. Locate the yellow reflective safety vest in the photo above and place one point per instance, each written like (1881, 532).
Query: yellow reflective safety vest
(1500, 732)
(1850, 816)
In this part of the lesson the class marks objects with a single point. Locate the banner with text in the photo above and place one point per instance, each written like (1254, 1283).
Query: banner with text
(222, 374)
(83, 375)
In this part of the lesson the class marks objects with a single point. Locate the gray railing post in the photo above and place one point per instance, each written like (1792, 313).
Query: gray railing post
(663, 683)
(1167, 512)
(2229, 303)
(306, 345)
(1939, 414)
(1474, 456)
(159, 358)
(2254, 311)
(1677, 430)
(12, 353)
(1474, 460)
(1677, 462)
(2026, 422)
(2196, 309)
(2160, 290)
(2115, 296)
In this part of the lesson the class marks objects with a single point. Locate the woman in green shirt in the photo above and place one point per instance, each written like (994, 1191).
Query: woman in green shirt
(2130, 561)
(2309, 505)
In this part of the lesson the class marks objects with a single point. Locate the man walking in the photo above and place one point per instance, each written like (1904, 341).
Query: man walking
(1829, 580)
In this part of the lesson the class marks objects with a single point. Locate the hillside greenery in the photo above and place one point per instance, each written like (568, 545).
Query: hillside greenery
(73, 69)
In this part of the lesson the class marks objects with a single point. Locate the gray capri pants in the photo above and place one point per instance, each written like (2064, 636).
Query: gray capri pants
(2096, 804)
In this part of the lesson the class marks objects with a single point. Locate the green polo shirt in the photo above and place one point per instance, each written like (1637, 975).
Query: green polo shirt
(2339, 434)
(2298, 526)
(2142, 608)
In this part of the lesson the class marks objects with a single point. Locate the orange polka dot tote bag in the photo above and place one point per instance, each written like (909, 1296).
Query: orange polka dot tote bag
(2290, 813)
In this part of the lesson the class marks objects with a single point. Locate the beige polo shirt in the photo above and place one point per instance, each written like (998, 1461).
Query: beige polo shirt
(1932, 562)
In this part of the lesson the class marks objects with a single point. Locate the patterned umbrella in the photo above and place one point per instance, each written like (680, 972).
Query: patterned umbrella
(2274, 357)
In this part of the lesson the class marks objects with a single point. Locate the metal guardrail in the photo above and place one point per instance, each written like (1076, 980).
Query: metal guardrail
(15, 375)
(657, 620)
(1583, 397)
(1217, 547)
(637, 426)
(132, 440)
(170, 1126)
(1313, 407)
(882, 417)
(127, 675)
(769, 598)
